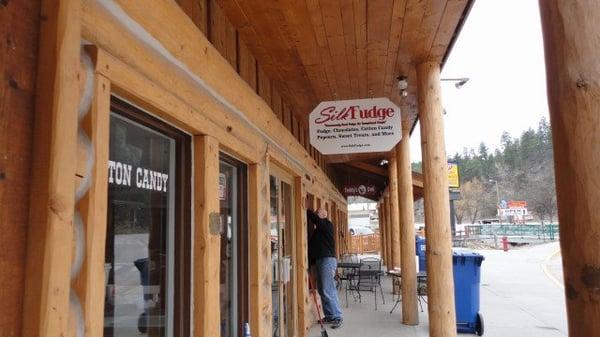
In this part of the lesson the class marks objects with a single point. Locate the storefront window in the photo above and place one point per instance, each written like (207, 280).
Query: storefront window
(282, 258)
(142, 221)
(233, 287)
(274, 217)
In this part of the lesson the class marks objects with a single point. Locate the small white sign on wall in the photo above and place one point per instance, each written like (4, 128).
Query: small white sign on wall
(355, 126)
(222, 187)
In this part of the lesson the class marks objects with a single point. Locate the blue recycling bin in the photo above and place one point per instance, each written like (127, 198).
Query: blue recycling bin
(467, 278)
(420, 250)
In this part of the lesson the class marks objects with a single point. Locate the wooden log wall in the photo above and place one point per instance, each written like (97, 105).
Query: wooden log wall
(19, 35)
(302, 298)
(48, 301)
(126, 67)
(206, 267)
(210, 18)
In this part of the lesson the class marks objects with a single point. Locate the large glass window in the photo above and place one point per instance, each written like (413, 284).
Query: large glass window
(283, 289)
(147, 205)
(233, 288)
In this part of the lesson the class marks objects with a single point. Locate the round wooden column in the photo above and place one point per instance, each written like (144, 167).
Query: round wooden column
(382, 232)
(410, 313)
(440, 282)
(389, 231)
(573, 76)
(394, 220)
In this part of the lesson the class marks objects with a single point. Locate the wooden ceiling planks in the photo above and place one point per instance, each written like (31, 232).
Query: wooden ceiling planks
(360, 31)
(455, 9)
(297, 14)
(379, 19)
(341, 49)
(258, 26)
(316, 18)
(350, 39)
(334, 31)
(370, 168)
(317, 50)
(429, 27)
(397, 25)
(344, 158)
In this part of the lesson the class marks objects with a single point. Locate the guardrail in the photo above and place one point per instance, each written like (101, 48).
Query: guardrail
(543, 232)
(366, 243)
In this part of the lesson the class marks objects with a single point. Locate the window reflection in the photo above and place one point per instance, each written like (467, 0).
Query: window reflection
(139, 242)
(282, 253)
(274, 216)
(228, 193)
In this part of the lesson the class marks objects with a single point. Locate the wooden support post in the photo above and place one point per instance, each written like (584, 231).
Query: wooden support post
(260, 249)
(381, 232)
(52, 198)
(410, 313)
(301, 257)
(344, 233)
(573, 78)
(388, 225)
(393, 204)
(314, 205)
(207, 238)
(440, 282)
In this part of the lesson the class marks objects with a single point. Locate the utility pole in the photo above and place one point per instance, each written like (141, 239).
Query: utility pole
(497, 199)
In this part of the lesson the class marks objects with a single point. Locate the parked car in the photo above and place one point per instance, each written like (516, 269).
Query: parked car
(360, 230)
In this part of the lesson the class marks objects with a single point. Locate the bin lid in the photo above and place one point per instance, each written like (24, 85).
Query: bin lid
(465, 255)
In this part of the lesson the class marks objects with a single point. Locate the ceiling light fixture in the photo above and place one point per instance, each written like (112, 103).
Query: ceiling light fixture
(403, 85)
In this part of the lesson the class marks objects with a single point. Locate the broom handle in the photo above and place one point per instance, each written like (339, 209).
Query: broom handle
(314, 296)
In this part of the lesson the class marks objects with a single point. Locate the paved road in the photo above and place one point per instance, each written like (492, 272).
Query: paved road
(519, 297)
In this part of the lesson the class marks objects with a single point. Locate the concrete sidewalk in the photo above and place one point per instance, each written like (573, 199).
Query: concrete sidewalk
(517, 299)
(361, 319)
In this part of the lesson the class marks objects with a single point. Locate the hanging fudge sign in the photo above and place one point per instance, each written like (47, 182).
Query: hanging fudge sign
(355, 126)
(138, 177)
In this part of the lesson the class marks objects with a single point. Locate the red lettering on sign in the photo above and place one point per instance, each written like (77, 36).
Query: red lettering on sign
(350, 113)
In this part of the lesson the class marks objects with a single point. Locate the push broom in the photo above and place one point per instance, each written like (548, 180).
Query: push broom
(314, 296)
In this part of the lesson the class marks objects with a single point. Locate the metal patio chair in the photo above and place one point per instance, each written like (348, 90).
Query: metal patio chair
(348, 276)
(369, 278)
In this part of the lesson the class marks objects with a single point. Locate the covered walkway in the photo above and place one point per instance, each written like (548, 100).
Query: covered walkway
(361, 319)
(530, 305)
(157, 159)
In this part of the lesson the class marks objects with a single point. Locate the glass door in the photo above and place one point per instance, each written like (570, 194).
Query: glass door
(283, 255)
(234, 243)
(147, 243)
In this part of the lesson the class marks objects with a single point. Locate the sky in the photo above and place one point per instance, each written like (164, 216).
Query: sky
(500, 49)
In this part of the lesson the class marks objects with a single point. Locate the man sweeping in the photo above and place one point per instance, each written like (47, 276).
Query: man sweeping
(322, 251)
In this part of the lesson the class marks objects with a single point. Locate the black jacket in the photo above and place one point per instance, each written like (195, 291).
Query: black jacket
(321, 243)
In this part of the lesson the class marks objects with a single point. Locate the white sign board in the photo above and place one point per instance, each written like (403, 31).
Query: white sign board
(222, 187)
(512, 212)
(355, 126)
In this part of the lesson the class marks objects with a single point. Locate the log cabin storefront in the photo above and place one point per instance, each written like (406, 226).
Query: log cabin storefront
(156, 162)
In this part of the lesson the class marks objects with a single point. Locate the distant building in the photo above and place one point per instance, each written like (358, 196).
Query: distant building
(362, 212)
